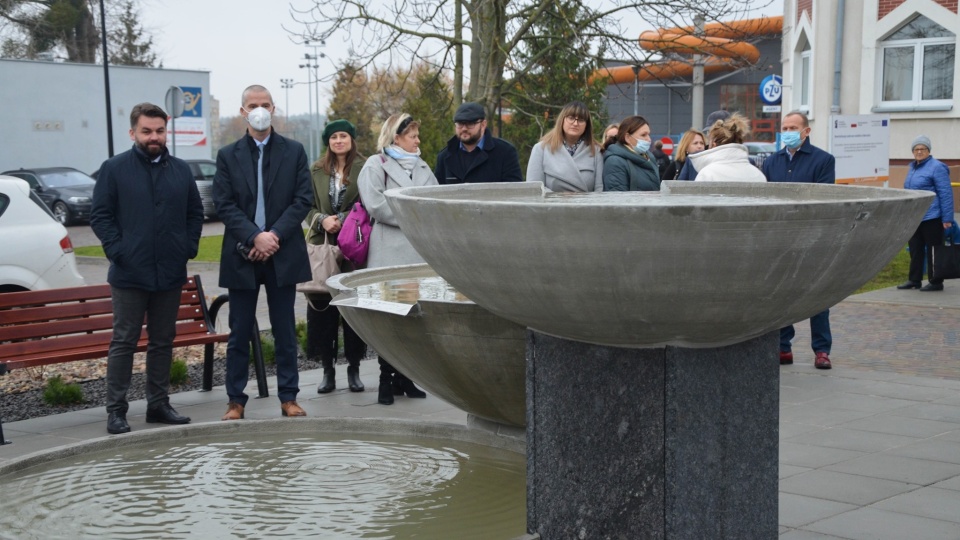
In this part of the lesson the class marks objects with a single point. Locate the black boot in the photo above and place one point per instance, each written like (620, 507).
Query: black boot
(407, 387)
(353, 376)
(385, 395)
(329, 382)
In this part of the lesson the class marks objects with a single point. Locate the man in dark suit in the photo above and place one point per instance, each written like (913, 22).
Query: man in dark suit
(473, 154)
(262, 192)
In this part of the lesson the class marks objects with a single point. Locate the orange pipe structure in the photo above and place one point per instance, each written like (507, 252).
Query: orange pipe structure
(722, 41)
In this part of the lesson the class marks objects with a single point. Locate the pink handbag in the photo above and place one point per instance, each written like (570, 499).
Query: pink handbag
(354, 236)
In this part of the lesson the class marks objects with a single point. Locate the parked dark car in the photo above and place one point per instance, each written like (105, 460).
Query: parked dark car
(66, 191)
(203, 171)
(759, 151)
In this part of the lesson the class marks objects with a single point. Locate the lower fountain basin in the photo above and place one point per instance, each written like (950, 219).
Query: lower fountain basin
(698, 264)
(309, 478)
(452, 347)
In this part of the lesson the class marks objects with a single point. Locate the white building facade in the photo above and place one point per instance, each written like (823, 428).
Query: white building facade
(891, 57)
(56, 112)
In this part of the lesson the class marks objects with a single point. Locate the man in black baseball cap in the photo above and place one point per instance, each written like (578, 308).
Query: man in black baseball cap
(473, 154)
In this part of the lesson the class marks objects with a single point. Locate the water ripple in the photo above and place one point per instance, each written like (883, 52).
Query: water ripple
(317, 487)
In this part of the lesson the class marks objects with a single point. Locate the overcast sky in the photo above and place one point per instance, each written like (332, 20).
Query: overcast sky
(243, 42)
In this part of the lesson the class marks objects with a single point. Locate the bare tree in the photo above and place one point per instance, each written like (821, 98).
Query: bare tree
(396, 33)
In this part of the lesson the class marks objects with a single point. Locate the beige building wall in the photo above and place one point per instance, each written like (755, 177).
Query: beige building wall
(814, 23)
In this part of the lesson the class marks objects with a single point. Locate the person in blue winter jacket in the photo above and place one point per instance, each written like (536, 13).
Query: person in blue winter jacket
(928, 174)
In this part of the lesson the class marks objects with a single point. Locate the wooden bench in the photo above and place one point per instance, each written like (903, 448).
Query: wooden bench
(39, 328)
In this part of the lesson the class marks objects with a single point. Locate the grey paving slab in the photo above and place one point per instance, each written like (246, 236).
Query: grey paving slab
(931, 411)
(875, 524)
(854, 401)
(916, 390)
(817, 416)
(804, 455)
(953, 484)
(851, 439)
(933, 449)
(901, 425)
(807, 535)
(931, 502)
(792, 429)
(899, 468)
(787, 471)
(841, 487)
(798, 510)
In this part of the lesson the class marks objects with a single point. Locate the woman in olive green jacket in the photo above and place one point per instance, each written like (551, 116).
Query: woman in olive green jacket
(334, 192)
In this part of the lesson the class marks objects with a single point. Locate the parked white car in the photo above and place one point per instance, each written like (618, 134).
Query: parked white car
(36, 253)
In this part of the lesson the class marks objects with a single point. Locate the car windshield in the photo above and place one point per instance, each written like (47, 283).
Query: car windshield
(58, 179)
(762, 148)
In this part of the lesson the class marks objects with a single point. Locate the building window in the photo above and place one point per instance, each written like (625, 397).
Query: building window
(917, 65)
(805, 58)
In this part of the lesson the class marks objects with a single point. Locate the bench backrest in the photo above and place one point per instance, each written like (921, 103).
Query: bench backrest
(79, 320)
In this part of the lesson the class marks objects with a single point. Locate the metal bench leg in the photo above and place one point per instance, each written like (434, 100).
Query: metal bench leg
(258, 364)
(3, 439)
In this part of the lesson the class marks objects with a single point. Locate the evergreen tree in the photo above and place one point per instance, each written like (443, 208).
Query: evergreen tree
(128, 43)
(351, 102)
(559, 75)
(430, 102)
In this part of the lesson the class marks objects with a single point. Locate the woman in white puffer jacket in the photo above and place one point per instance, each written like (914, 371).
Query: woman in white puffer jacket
(727, 159)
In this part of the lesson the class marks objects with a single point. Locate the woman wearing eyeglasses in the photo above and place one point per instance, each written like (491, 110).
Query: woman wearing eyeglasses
(397, 165)
(567, 158)
(926, 173)
(628, 164)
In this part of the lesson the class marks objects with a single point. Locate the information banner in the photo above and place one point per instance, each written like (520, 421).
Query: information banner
(861, 146)
(191, 128)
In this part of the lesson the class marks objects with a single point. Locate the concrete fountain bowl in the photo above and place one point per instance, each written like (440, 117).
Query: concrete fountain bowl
(694, 265)
(452, 347)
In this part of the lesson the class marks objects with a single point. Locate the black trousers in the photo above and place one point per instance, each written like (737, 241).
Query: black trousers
(928, 234)
(323, 324)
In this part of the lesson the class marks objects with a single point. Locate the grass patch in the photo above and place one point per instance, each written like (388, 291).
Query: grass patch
(178, 372)
(209, 250)
(302, 335)
(58, 393)
(892, 274)
(268, 347)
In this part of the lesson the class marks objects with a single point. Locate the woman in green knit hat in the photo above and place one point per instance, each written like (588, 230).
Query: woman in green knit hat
(334, 192)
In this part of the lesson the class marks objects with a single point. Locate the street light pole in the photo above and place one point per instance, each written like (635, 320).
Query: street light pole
(310, 103)
(286, 84)
(316, 76)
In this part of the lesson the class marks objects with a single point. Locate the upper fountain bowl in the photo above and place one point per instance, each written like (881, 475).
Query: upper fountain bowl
(694, 265)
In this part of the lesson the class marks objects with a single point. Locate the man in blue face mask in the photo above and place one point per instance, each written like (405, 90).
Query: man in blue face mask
(800, 161)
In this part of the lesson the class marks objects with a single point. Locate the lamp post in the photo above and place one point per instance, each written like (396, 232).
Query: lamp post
(106, 80)
(316, 76)
(308, 65)
(286, 84)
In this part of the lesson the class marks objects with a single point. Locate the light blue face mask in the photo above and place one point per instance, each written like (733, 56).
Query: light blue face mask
(642, 146)
(790, 139)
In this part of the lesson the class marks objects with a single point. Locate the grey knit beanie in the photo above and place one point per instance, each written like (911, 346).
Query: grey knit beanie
(924, 140)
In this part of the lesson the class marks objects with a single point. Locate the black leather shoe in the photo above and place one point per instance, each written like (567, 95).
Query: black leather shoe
(909, 285)
(353, 379)
(117, 423)
(329, 382)
(932, 287)
(165, 414)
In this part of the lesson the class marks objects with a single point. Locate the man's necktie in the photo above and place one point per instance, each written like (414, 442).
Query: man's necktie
(260, 218)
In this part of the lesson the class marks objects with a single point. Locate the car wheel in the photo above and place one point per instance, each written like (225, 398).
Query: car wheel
(61, 212)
